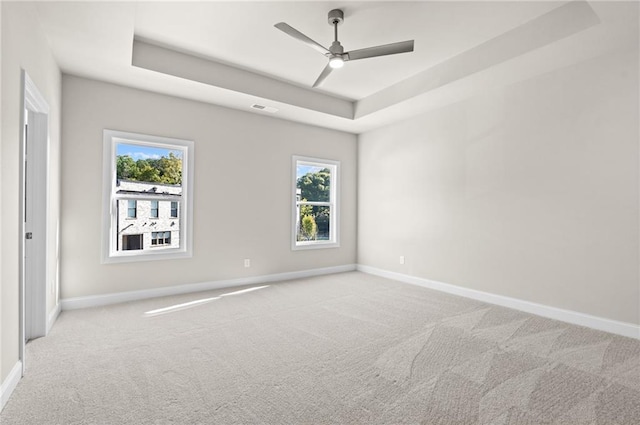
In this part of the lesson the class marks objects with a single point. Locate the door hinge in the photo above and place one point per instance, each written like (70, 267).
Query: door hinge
(28, 235)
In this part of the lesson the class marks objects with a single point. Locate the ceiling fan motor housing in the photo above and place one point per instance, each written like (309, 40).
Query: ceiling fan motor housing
(336, 16)
(336, 48)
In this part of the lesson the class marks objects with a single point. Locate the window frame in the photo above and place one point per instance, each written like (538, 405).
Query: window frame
(110, 254)
(334, 203)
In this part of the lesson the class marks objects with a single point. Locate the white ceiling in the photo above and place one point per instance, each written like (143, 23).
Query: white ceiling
(95, 39)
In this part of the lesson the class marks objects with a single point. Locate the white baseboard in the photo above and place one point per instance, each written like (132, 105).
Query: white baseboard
(607, 325)
(10, 383)
(120, 297)
(53, 316)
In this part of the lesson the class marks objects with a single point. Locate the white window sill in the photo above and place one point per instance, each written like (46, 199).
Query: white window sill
(170, 254)
(299, 246)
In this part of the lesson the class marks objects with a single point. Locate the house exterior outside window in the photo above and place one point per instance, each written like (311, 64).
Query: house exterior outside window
(151, 218)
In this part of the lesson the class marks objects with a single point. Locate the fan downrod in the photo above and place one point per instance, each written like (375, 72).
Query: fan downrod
(336, 16)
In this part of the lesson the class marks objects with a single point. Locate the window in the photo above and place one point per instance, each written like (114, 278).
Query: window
(174, 209)
(132, 208)
(154, 209)
(160, 238)
(315, 203)
(141, 174)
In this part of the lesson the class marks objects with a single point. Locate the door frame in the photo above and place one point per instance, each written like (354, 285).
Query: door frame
(34, 105)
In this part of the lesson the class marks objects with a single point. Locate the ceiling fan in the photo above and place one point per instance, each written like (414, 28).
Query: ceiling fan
(336, 54)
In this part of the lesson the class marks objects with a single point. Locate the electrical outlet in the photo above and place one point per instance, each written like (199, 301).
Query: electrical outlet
(247, 262)
(402, 259)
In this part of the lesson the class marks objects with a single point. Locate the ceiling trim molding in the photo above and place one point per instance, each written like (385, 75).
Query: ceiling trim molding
(172, 62)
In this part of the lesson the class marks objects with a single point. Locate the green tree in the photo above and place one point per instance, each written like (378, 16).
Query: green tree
(170, 169)
(166, 170)
(146, 172)
(306, 209)
(316, 186)
(308, 227)
(126, 168)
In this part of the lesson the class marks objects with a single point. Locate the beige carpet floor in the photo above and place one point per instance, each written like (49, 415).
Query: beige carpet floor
(349, 348)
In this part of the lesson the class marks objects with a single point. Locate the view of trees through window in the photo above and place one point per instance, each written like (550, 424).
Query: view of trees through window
(313, 199)
(153, 165)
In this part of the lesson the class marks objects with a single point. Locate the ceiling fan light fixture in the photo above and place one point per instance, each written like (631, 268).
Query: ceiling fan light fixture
(336, 62)
(336, 54)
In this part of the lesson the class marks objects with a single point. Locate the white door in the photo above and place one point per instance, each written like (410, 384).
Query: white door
(34, 215)
(35, 227)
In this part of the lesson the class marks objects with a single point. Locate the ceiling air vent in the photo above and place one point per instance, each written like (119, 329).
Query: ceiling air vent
(264, 108)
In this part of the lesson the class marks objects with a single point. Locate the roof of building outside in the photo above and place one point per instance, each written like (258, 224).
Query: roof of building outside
(148, 188)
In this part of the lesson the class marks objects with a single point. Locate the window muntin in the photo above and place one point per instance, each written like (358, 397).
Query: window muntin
(154, 209)
(315, 209)
(143, 176)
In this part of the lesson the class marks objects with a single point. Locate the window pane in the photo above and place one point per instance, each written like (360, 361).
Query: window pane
(313, 223)
(313, 182)
(142, 171)
(151, 164)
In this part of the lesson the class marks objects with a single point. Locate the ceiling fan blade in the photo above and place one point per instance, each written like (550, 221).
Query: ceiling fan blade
(324, 74)
(387, 49)
(288, 29)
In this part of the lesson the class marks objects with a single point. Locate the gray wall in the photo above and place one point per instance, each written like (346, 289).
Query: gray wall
(242, 189)
(528, 191)
(24, 46)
